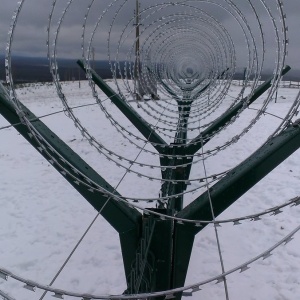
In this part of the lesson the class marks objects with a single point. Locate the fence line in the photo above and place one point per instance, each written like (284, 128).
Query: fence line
(282, 84)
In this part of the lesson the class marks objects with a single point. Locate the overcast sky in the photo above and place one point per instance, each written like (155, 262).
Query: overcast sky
(30, 38)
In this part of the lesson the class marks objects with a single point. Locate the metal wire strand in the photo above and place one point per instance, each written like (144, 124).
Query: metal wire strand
(215, 229)
(94, 220)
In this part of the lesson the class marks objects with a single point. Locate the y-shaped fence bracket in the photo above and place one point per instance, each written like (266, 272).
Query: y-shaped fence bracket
(124, 219)
(165, 248)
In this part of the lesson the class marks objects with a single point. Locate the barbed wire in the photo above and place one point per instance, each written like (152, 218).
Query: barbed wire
(188, 57)
(103, 150)
(169, 294)
(187, 16)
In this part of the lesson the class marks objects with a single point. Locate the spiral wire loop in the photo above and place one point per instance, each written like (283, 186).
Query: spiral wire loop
(188, 56)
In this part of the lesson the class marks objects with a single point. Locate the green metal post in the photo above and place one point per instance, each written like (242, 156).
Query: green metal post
(196, 144)
(164, 248)
(204, 137)
(175, 270)
(177, 172)
(125, 220)
(144, 128)
(225, 192)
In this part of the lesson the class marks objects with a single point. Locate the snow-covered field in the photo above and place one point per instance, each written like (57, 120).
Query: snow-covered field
(42, 217)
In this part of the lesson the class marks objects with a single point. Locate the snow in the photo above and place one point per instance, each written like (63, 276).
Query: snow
(42, 217)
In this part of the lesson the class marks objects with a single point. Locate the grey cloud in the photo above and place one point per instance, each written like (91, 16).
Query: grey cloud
(30, 38)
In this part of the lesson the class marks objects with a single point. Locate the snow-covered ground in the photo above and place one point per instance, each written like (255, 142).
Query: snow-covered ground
(42, 217)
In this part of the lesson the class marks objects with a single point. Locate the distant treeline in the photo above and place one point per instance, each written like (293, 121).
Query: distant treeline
(27, 69)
